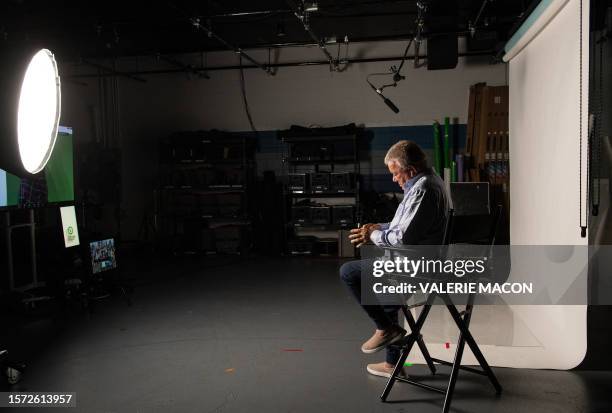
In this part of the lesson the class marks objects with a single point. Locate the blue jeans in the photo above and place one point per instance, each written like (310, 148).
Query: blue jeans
(383, 316)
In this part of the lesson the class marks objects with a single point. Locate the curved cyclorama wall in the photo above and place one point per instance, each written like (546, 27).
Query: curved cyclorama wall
(547, 167)
(544, 194)
(543, 14)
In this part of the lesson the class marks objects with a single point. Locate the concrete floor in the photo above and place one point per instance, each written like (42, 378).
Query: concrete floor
(214, 338)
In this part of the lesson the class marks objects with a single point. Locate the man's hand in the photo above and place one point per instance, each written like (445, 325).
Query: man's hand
(360, 236)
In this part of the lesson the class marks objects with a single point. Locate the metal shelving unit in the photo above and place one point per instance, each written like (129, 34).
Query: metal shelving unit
(323, 157)
(202, 201)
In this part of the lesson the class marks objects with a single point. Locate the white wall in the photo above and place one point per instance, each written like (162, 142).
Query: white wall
(302, 95)
(545, 173)
(295, 95)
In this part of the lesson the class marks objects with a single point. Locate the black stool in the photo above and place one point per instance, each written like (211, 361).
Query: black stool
(461, 318)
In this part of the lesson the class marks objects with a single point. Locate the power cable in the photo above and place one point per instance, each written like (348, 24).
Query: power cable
(245, 100)
(583, 228)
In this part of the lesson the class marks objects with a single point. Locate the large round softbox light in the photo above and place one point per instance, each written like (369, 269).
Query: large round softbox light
(29, 110)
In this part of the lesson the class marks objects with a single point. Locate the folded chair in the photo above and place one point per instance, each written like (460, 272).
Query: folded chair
(457, 230)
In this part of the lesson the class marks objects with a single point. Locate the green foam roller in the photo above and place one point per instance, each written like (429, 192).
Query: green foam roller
(447, 143)
(437, 155)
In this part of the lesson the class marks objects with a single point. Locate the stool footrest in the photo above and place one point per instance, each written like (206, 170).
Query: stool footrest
(466, 368)
(404, 340)
(415, 305)
(421, 385)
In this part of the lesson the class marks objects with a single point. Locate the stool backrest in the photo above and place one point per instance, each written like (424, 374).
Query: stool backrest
(473, 229)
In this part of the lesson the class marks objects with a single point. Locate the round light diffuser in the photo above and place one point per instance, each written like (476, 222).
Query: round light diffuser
(38, 112)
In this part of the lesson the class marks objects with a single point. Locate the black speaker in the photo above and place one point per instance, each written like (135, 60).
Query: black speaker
(320, 215)
(319, 181)
(442, 52)
(343, 214)
(342, 182)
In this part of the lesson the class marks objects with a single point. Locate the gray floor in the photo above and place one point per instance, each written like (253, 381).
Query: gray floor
(215, 339)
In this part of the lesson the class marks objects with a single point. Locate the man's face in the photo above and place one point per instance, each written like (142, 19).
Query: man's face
(400, 176)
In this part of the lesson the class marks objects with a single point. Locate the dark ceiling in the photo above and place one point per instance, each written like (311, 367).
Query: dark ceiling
(80, 28)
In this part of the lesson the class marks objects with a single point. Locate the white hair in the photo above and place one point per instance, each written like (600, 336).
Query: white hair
(406, 153)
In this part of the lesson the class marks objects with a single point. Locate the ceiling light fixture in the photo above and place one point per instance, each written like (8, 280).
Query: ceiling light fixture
(311, 6)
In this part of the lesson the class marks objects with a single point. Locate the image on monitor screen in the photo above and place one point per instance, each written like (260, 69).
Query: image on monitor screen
(70, 227)
(103, 255)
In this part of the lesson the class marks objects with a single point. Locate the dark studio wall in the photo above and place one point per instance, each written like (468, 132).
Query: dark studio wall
(307, 96)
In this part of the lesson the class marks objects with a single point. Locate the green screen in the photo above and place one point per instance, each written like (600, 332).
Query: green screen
(54, 184)
(59, 169)
(12, 189)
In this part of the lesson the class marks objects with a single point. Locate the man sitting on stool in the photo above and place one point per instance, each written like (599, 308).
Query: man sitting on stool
(419, 219)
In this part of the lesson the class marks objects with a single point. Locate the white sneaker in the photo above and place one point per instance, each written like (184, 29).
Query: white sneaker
(381, 340)
(381, 370)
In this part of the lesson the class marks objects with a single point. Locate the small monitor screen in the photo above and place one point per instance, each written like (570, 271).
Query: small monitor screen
(3, 192)
(103, 255)
(69, 226)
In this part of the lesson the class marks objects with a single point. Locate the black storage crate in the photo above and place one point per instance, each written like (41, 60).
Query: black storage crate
(320, 215)
(319, 181)
(343, 214)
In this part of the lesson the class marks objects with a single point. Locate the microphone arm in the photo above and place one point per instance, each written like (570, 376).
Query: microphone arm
(388, 102)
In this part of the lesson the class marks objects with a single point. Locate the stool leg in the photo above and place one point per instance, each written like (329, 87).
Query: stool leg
(398, 366)
(457, 361)
(472, 343)
(412, 338)
(453, 376)
(426, 355)
(420, 341)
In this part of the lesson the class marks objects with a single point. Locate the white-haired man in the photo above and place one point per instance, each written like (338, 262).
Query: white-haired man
(419, 219)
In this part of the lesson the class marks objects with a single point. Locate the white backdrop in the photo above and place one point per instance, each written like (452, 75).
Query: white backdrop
(544, 87)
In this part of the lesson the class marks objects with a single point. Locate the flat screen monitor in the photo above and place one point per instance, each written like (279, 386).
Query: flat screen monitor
(69, 226)
(103, 256)
(55, 184)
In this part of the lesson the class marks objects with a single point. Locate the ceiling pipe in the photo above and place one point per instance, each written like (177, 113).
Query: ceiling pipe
(472, 26)
(303, 18)
(250, 13)
(196, 22)
(186, 68)
(288, 64)
(322, 15)
(113, 72)
(278, 45)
